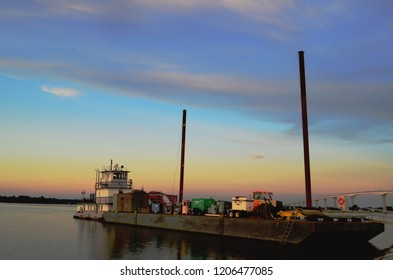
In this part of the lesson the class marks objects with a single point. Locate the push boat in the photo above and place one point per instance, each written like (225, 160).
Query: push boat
(111, 180)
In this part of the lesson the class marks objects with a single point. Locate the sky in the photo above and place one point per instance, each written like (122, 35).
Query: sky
(84, 82)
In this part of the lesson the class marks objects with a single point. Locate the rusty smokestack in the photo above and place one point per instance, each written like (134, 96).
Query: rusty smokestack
(183, 148)
(305, 129)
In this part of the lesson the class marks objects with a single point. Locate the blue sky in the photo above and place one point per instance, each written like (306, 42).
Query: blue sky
(84, 82)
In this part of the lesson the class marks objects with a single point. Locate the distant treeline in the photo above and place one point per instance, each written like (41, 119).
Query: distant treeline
(38, 200)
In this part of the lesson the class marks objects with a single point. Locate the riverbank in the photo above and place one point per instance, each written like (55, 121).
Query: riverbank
(38, 200)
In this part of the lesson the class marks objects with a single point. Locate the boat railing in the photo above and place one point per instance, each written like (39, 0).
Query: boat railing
(385, 217)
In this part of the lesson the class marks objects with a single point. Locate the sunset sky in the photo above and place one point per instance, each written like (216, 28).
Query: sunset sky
(84, 82)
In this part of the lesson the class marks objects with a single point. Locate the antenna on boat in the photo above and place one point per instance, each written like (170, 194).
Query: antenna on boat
(183, 147)
(305, 129)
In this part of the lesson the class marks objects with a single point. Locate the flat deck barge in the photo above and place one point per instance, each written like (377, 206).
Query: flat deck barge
(301, 231)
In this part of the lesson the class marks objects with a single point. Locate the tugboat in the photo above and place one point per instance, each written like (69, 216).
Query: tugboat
(112, 179)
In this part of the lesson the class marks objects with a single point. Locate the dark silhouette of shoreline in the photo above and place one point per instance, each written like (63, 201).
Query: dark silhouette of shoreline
(37, 200)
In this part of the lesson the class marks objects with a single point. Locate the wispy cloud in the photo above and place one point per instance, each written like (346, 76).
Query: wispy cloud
(351, 111)
(209, 82)
(270, 12)
(265, 11)
(256, 156)
(63, 92)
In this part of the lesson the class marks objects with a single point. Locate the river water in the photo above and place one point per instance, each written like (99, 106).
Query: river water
(45, 232)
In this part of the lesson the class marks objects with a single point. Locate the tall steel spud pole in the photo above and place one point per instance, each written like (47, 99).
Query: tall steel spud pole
(305, 129)
(183, 148)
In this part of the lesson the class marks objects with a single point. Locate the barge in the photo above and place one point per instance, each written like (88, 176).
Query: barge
(301, 231)
(256, 217)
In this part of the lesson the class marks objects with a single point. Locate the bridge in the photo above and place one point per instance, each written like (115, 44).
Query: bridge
(345, 200)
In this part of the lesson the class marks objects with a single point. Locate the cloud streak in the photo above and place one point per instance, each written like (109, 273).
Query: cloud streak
(62, 92)
(351, 111)
(265, 11)
(256, 157)
(269, 12)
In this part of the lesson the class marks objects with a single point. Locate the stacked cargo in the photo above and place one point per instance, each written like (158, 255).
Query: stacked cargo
(162, 203)
(136, 201)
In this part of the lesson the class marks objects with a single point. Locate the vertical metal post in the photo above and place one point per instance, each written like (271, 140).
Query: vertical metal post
(305, 129)
(183, 147)
(384, 202)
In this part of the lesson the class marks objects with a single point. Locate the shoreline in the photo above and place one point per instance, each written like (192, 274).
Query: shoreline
(39, 200)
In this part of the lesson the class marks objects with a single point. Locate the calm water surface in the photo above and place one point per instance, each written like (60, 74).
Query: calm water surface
(43, 232)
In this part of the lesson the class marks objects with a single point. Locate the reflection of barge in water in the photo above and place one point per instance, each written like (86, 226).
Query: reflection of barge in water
(115, 201)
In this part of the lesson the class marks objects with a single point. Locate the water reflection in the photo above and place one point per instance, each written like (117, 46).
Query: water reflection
(129, 242)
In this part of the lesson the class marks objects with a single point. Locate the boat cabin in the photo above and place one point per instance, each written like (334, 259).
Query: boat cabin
(111, 180)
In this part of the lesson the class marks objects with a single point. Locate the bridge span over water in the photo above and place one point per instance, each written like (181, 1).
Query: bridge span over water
(346, 200)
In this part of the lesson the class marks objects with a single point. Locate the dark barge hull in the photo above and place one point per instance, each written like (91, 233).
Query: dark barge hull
(254, 228)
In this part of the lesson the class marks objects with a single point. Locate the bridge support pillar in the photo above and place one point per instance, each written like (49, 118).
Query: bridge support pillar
(384, 202)
(352, 200)
(335, 201)
(325, 203)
